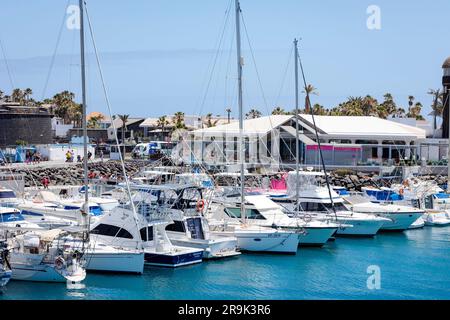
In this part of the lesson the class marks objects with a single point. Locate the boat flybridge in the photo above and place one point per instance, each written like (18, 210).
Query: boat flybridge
(183, 205)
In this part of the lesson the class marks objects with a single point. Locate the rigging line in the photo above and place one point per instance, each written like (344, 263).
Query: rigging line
(254, 62)
(52, 61)
(7, 64)
(105, 92)
(284, 76)
(225, 23)
(317, 137)
(227, 70)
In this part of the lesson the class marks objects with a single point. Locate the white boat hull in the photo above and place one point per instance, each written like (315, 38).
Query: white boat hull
(39, 273)
(123, 262)
(279, 242)
(399, 221)
(360, 228)
(315, 236)
(220, 247)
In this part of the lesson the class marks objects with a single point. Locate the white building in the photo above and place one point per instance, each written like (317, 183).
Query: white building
(271, 140)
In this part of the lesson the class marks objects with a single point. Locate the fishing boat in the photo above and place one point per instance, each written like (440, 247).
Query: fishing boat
(185, 205)
(145, 238)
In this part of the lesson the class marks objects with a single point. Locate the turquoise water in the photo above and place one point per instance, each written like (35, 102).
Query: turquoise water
(414, 265)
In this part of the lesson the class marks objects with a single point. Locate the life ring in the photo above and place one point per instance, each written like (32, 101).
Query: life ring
(59, 262)
(200, 205)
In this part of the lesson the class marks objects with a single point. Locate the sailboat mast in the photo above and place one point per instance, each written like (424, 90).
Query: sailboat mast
(84, 108)
(297, 151)
(241, 114)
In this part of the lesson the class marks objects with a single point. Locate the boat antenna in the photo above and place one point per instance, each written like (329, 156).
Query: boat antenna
(317, 135)
(85, 211)
(241, 121)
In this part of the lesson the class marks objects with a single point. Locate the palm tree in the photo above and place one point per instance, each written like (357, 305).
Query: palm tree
(253, 114)
(388, 107)
(209, 121)
(94, 122)
(437, 106)
(319, 110)
(162, 123)
(124, 119)
(178, 120)
(228, 110)
(27, 94)
(410, 103)
(17, 96)
(309, 90)
(415, 111)
(369, 105)
(278, 111)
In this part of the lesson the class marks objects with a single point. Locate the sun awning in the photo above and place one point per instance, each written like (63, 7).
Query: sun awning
(301, 136)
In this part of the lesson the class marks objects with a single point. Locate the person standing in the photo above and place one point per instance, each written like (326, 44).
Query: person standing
(45, 182)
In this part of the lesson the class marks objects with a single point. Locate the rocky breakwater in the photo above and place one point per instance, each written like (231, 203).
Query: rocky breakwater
(72, 174)
(352, 181)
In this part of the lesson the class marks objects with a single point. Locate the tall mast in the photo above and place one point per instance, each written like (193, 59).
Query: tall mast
(297, 153)
(84, 124)
(241, 114)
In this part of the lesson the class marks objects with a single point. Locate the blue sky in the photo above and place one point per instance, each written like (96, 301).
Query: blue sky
(157, 54)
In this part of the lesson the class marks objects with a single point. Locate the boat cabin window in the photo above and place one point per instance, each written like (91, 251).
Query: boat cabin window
(429, 202)
(146, 233)
(249, 213)
(11, 216)
(322, 207)
(111, 231)
(177, 226)
(7, 194)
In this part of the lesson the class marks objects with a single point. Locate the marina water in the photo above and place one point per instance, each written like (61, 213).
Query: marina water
(413, 265)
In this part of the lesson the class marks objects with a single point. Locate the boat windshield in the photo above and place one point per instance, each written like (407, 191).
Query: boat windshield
(11, 216)
(321, 207)
(7, 194)
(249, 213)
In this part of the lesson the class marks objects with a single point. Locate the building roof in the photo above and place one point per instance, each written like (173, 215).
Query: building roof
(446, 63)
(261, 125)
(362, 126)
(339, 126)
(118, 123)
